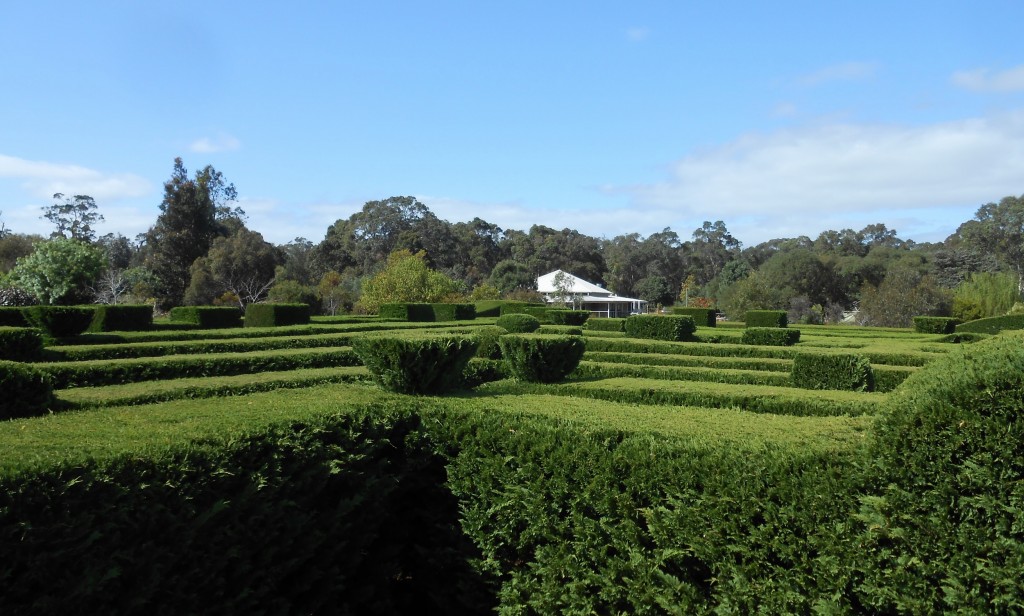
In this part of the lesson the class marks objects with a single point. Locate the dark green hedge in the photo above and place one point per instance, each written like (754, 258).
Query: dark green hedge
(704, 317)
(518, 323)
(539, 358)
(520, 307)
(992, 325)
(24, 392)
(189, 347)
(60, 321)
(122, 318)
(454, 312)
(11, 316)
(845, 371)
(487, 341)
(935, 325)
(20, 344)
(427, 312)
(674, 328)
(207, 317)
(276, 315)
(427, 365)
(339, 514)
(568, 317)
(606, 325)
(770, 336)
(766, 318)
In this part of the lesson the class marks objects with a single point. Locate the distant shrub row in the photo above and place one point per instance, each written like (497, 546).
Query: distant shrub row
(935, 325)
(427, 312)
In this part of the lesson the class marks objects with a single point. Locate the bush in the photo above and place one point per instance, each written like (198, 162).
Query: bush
(60, 321)
(27, 392)
(11, 316)
(568, 317)
(766, 318)
(992, 325)
(770, 336)
(844, 371)
(416, 364)
(606, 325)
(541, 359)
(705, 317)
(453, 312)
(122, 318)
(518, 323)
(487, 341)
(406, 312)
(654, 327)
(942, 530)
(276, 315)
(20, 344)
(207, 317)
(935, 325)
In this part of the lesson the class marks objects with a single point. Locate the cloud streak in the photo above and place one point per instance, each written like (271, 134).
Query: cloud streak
(43, 179)
(846, 71)
(986, 80)
(213, 145)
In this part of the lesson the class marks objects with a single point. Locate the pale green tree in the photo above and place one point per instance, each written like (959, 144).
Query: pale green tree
(60, 270)
(407, 278)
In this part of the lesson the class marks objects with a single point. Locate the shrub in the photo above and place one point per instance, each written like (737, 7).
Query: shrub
(408, 311)
(276, 315)
(122, 318)
(606, 325)
(487, 341)
(518, 323)
(705, 317)
(770, 336)
(766, 318)
(655, 327)
(541, 359)
(207, 317)
(568, 317)
(416, 364)
(20, 344)
(11, 316)
(27, 392)
(488, 308)
(992, 325)
(935, 325)
(60, 321)
(942, 529)
(833, 371)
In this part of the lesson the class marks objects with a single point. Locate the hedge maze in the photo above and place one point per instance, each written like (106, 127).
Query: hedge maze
(420, 464)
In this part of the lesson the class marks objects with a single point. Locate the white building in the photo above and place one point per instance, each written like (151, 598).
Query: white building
(585, 295)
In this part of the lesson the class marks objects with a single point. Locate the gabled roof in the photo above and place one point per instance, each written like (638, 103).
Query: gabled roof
(546, 284)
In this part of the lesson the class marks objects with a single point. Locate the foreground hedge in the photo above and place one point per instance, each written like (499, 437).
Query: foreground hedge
(414, 364)
(20, 344)
(540, 358)
(26, 391)
(833, 371)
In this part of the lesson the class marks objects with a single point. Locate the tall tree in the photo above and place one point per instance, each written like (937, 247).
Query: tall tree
(73, 218)
(241, 266)
(999, 228)
(186, 227)
(712, 247)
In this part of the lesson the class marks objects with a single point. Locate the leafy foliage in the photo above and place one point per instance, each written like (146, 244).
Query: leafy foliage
(60, 270)
(406, 278)
(27, 392)
(935, 325)
(992, 325)
(416, 364)
(122, 317)
(518, 323)
(74, 218)
(705, 317)
(539, 358)
(276, 315)
(568, 317)
(766, 318)
(207, 317)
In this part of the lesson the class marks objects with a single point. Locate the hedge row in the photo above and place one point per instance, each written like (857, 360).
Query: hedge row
(935, 325)
(27, 391)
(121, 318)
(657, 327)
(419, 312)
(706, 361)
(540, 358)
(834, 371)
(59, 321)
(276, 315)
(770, 336)
(606, 325)
(567, 317)
(158, 349)
(992, 325)
(704, 317)
(518, 323)
(207, 317)
(11, 316)
(593, 369)
(20, 344)
(766, 318)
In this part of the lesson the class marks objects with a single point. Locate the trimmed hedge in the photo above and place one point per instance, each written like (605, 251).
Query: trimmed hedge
(704, 317)
(843, 371)
(207, 317)
(420, 312)
(520, 307)
(276, 315)
(541, 359)
(770, 336)
(487, 341)
(60, 321)
(425, 365)
(454, 312)
(122, 318)
(992, 325)
(11, 316)
(27, 392)
(935, 325)
(941, 527)
(766, 318)
(568, 317)
(656, 327)
(20, 344)
(602, 324)
(518, 323)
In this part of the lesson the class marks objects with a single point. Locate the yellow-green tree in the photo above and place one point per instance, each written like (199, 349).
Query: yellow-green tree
(406, 278)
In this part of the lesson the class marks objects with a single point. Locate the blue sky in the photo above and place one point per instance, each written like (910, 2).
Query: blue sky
(781, 118)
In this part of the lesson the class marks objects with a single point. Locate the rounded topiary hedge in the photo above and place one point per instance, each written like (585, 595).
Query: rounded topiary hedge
(518, 323)
(27, 391)
(60, 321)
(945, 524)
(541, 359)
(414, 364)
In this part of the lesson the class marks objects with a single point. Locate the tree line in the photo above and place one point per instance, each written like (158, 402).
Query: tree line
(199, 250)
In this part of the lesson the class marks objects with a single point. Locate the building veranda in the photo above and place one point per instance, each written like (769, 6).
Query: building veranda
(562, 287)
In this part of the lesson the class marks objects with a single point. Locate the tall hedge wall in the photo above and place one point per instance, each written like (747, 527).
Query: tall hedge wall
(207, 317)
(276, 315)
(766, 318)
(122, 318)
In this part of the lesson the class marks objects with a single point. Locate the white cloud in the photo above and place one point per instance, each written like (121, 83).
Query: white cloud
(212, 145)
(43, 179)
(985, 80)
(846, 71)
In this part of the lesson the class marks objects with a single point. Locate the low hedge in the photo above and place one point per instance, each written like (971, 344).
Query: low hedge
(844, 371)
(89, 352)
(568, 317)
(27, 392)
(518, 323)
(276, 315)
(20, 344)
(420, 312)
(122, 318)
(770, 336)
(935, 325)
(992, 325)
(612, 324)
(11, 316)
(207, 317)
(540, 358)
(704, 317)
(766, 318)
(425, 365)
(520, 307)
(656, 327)
(60, 321)
(454, 312)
